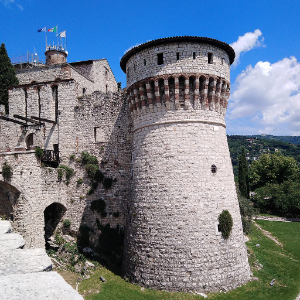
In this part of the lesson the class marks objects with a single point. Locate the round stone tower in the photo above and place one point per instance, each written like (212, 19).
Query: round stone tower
(182, 179)
(55, 56)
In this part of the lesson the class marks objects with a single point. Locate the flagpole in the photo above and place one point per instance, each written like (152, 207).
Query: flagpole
(57, 35)
(46, 38)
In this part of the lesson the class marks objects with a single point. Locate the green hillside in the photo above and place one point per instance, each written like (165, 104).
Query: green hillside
(257, 145)
(287, 139)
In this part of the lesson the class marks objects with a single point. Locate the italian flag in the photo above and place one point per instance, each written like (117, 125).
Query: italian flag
(54, 29)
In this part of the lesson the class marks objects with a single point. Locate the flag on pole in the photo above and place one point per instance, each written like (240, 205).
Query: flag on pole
(62, 34)
(42, 29)
(54, 29)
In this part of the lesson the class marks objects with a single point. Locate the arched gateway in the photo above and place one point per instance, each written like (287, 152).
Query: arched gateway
(52, 216)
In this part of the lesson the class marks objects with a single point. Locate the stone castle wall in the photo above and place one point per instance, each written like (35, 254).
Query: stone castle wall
(92, 76)
(40, 187)
(38, 100)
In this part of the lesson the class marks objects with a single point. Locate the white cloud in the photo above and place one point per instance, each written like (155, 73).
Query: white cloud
(9, 3)
(269, 94)
(245, 43)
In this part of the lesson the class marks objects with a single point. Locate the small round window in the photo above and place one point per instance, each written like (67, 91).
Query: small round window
(213, 169)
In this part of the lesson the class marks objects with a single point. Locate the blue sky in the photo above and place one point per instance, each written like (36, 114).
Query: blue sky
(265, 80)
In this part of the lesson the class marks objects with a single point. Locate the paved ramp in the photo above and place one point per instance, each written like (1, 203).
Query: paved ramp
(25, 274)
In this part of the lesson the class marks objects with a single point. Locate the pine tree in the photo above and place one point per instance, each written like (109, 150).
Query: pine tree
(243, 174)
(7, 76)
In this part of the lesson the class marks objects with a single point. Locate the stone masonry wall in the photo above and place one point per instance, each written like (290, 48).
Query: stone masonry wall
(173, 242)
(84, 68)
(40, 102)
(103, 76)
(144, 63)
(39, 186)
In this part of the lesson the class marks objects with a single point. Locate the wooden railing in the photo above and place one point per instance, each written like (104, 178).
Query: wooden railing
(50, 156)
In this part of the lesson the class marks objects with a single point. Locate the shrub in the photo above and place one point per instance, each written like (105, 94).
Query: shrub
(39, 153)
(107, 183)
(225, 224)
(60, 174)
(69, 172)
(59, 240)
(72, 156)
(87, 158)
(90, 191)
(94, 185)
(91, 170)
(7, 171)
(99, 176)
(80, 181)
(98, 205)
(116, 214)
(67, 223)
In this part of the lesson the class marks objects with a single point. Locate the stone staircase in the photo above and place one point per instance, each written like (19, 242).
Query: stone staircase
(25, 274)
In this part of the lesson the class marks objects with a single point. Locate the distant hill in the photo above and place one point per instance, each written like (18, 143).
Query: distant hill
(256, 145)
(287, 139)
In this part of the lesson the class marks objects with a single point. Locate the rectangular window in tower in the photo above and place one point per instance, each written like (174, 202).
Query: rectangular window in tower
(194, 55)
(160, 58)
(99, 135)
(177, 55)
(210, 58)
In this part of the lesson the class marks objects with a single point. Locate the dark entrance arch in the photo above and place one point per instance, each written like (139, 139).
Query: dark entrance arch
(29, 141)
(52, 216)
(8, 199)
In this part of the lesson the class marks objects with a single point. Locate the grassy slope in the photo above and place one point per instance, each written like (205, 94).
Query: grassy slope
(281, 264)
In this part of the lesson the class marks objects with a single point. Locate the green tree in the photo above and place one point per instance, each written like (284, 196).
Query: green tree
(281, 198)
(7, 76)
(272, 169)
(243, 174)
(247, 212)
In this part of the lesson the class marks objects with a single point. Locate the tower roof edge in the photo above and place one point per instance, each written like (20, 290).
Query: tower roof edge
(192, 39)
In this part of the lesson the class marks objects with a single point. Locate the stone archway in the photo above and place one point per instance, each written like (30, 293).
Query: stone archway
(29, 141)
(52, 216)
(8, 200)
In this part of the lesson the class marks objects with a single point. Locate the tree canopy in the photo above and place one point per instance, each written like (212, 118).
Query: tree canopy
(272, 169)
(243, 174)
(7, 76)
(279, 198)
